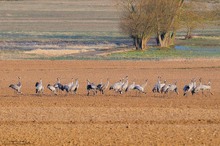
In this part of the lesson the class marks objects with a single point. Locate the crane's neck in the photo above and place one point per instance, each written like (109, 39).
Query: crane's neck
(107, 83)
(144, 85)
(76, 82)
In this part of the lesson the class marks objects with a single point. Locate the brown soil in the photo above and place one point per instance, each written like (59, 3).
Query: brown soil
(110, 119)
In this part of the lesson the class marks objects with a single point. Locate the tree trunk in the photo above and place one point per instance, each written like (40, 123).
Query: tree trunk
(136, 42)
(163, 40)
(173, 39)
(144, 42)
(188, 34)
(140, 43)
(166, 39)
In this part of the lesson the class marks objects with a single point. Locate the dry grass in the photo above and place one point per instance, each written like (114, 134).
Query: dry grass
(50, 53)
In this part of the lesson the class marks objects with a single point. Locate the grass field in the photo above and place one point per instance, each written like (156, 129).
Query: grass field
(194, 48)
(113, 49)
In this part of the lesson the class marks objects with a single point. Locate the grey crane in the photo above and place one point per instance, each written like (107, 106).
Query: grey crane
(202, 88)
(91, 87)
(16, 87)
(58, 86)
(158, 86)
(68, 87)
(52, 88)
(190, 87)
(170, 88)
(117, 87)
(75, 86)
(102, 87)
(125, 85)
(161, 85)
(165, 88)
(130, 87)
(141, 88)
(39, 87)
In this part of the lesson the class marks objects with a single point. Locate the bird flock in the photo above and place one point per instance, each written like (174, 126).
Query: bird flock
(120, 87)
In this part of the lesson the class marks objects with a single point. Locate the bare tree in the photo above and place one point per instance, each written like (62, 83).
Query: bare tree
(167, 15)
(141, 19)
(137, 20)
(196, 15)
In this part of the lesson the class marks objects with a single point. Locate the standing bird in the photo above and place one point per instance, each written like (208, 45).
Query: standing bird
(165, 88)
(130, 87)
(117, 87)
(102, 87)
(58, 85)
(99, 86)
(91, 87)
(190, 87)
(125, 85)
(158, 86)
(68, 87)
(16, 87)
(161, 85)
(39, 87)
(75, 86)
(140, 88)
(52, 88)
(171, 88)
(203, 87)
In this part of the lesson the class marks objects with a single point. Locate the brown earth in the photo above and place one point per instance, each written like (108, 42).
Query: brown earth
(110, 119)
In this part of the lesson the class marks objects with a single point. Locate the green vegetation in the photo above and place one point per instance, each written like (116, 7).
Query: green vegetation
(155, 53)
(186, 49)
(80, 36)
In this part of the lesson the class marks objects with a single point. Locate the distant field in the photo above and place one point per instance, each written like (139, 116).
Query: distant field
(28, 16)
(91, 26)
(65, 15)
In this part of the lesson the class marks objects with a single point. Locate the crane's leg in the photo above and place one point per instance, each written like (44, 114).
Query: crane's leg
(176, 91)
(211, 92)
(94, 92)
(203, 94)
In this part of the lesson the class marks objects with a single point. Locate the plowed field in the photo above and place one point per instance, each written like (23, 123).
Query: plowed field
(109, 119)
